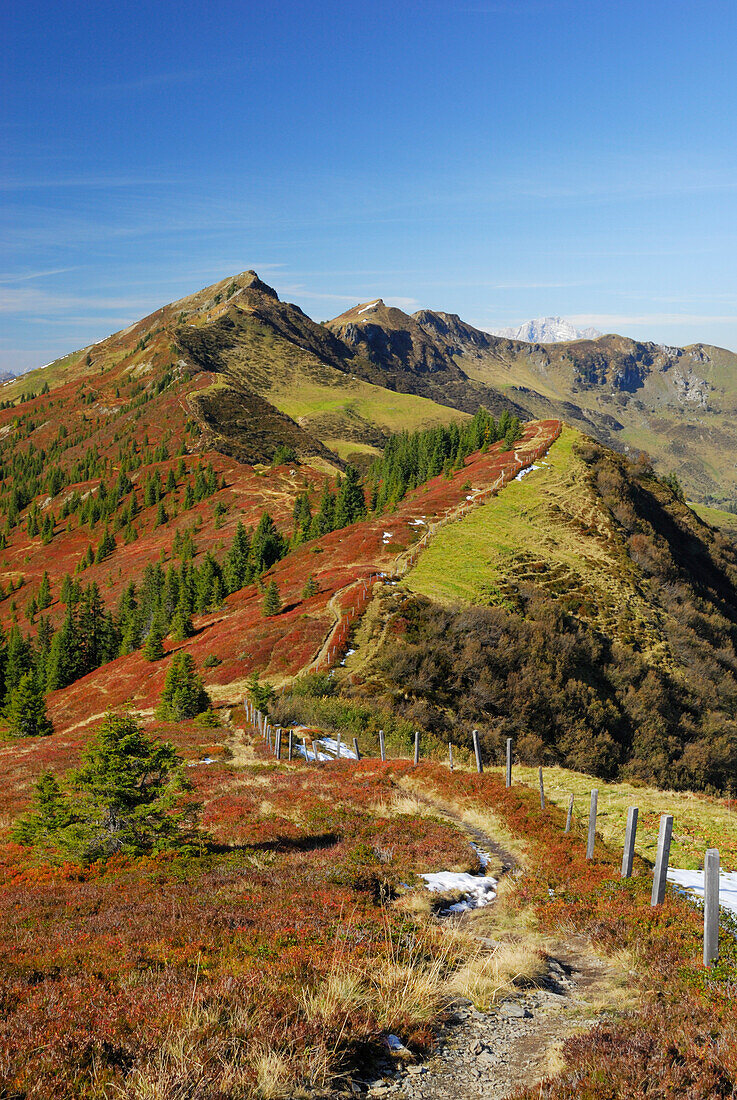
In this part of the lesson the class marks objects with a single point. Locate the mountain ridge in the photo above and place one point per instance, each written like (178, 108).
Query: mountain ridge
(338, 389)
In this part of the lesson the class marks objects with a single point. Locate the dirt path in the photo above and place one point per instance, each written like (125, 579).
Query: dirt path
(516, 1044)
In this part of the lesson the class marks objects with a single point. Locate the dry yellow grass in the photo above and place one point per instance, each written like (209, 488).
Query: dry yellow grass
(487, 976)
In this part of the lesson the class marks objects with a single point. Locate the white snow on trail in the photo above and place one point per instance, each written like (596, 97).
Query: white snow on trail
(529, 470)
(478, 890)
(694, 882)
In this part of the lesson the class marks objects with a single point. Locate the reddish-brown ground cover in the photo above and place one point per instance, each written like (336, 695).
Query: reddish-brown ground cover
(279, 647)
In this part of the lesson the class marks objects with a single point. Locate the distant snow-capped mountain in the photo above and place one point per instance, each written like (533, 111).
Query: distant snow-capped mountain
(547, 330)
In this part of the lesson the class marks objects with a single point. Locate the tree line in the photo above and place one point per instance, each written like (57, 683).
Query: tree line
(410, 459)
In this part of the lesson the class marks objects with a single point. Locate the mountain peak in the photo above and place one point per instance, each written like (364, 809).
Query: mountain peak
(547, 330)
(364, 311)
(249, 280)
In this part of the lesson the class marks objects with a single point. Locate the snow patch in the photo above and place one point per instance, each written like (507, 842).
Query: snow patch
(529, 470)
(693, 881)
(331, 744)
(370, 306)
(478, 890)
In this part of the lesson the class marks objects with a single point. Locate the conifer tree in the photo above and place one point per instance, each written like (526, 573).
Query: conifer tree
(184, 694)
(272, 600)
(236, 562)
(181, 625)
(17, 658)
(153, 650)
(310, 588)
(50, 814)
(350, 504)
(267, 545)
(44, 593)
(62, 666)
(126, 797)
(260, 693)
(25, 712)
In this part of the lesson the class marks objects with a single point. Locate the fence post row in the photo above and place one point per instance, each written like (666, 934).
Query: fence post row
(629, 841)
(661, 860)
(591, 843)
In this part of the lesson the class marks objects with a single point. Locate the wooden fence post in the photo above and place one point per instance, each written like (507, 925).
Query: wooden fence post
(629, 841)
(356, 748)
(711, 906)
(477, 751)
(450, 755)
(277, 750)
(542, 787)
(290, 744)
(569, 817)
(661, 860)
(417, 747)
(314, 752)
(382, 749)
(337, 755)
(304, 750)
(509, 761)
(592, 824)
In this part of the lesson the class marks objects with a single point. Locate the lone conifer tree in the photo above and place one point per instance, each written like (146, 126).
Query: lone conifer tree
(184, 694)
(310, 589)
(126, 797)
(272, 600)
(26, 709)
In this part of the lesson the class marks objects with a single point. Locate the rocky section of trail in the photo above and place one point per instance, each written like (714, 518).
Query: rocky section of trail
(514, 1045)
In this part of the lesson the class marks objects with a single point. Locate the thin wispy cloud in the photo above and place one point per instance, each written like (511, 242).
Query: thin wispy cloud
(43, 303)
(27, 276)
(149, 81)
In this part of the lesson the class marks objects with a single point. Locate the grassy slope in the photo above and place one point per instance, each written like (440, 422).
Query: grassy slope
(699, 822)
(725, 521)
(548, 528)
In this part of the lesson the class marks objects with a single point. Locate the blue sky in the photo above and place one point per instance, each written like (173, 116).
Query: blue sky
(502, 159)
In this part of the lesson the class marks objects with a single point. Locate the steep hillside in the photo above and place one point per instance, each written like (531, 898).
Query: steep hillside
(588, 613)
